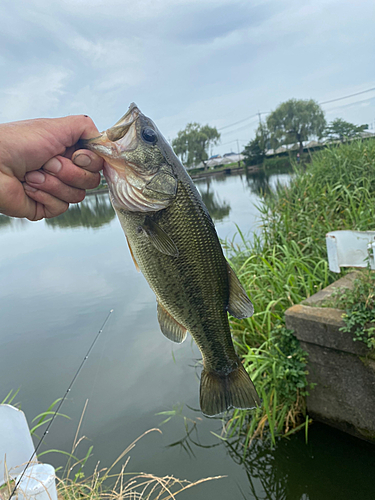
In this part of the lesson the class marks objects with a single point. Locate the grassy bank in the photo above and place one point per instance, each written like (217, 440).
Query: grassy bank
(288, 263)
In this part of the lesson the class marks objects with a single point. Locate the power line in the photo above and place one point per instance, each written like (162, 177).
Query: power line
(236, 123)
(237, 129)
(347, 96)
(244, 120)
(321, 103)
(244, 141)
(348, 105)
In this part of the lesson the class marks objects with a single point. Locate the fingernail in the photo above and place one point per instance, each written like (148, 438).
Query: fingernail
(35, 177)
(82, 160)
(53, 165)
(26, 187)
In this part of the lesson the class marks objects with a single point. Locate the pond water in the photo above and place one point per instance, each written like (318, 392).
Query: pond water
(59, 279)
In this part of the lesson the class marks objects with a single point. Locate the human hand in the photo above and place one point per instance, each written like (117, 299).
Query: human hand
(41, 170)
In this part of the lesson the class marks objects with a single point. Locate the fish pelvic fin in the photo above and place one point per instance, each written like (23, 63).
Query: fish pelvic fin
(170, 327)
(220, 392)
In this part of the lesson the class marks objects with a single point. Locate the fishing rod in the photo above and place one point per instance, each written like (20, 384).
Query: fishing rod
(61, 402)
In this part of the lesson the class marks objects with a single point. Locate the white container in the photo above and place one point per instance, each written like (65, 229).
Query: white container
(350, 249)
(16, 445)
(38, 483)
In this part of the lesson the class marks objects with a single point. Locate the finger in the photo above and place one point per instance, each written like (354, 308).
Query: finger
(88, 160)
(52, 185)
(73, 128)
(46, 205)
(71, 174)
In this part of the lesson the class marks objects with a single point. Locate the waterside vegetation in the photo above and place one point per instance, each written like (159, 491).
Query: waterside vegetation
(111, 482)
(358, 305)
(287, 263)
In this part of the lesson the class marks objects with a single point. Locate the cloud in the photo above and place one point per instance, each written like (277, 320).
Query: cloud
(34, 95)
(211, 61)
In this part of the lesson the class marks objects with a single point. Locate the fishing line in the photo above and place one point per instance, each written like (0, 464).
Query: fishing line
(61, 402)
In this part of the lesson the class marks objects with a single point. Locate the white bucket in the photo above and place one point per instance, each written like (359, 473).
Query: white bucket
(16, 445)
(38, 483)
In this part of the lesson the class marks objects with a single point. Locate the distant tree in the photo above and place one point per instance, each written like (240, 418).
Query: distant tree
(192, 143)
(340, 129)
(296, 121)
(255, 151)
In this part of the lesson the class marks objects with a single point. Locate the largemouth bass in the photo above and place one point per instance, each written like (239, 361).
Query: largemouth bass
(173, 241)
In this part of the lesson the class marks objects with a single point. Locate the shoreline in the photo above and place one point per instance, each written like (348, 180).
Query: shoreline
(229, 170)
(205, 173)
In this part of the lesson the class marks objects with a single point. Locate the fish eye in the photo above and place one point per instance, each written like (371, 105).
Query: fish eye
(149, 135)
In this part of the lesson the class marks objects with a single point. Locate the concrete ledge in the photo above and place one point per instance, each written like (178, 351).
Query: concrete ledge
(342, 370)
(321, 326)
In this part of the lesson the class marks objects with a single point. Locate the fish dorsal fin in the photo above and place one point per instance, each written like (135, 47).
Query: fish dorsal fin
(131, 253)
(239, 305)
(159, 238)
(169, 326)
(163, 186)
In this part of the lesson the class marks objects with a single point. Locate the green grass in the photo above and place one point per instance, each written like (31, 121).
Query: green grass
(288, 263)
(103, 483)
(358, 305)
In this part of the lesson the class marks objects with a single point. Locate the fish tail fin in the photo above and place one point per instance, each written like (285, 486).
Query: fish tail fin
(220, 392)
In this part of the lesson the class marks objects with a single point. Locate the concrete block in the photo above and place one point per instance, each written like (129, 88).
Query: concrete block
(342, 370)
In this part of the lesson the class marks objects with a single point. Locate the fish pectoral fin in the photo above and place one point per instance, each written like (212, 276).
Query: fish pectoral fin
(169, 326)
(131, 253)
(162, 186)
(240, 305)
(159, 238)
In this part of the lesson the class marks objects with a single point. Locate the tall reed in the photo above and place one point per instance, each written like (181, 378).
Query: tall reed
(287, 263)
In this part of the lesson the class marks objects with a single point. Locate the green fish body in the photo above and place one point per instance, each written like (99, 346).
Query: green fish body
(173, 242)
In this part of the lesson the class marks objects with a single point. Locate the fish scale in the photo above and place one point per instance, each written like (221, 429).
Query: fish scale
(195, 292)
(173, 241)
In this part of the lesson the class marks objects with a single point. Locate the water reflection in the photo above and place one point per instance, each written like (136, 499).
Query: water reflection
(13, 223)
(131, 374)
(5, 221)
(218, 209)
(94, 211)
(294, 469)
(258, 182)
(262, 183)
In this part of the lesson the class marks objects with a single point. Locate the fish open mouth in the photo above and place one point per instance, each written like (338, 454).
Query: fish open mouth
(117, 139)
(125, 181)
(114, 142)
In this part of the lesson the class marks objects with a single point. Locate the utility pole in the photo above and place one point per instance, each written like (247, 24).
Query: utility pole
(238, 150)
(262, 132)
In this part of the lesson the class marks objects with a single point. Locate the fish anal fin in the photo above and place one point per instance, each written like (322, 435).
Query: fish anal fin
(240, 305)
(131, 253)
(169, 326)
(220, 392)
(159, 238)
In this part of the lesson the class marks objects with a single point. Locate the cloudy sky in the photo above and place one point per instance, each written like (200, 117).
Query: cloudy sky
(209, 61)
